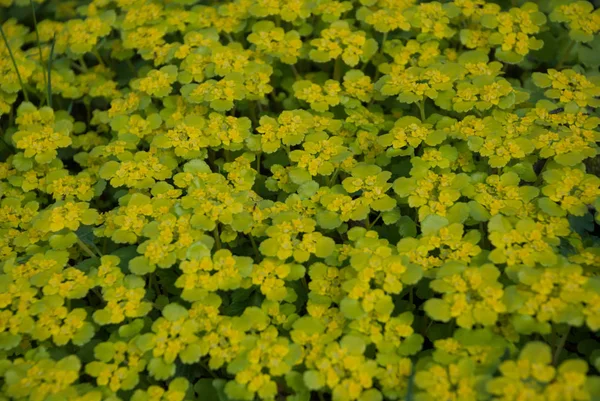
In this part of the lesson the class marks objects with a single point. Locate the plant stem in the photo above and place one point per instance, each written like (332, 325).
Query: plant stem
(484, 237)
(373, 222)
(385, 35)
(333, 177)
(540, 176)
(154, 283)
(254, 247)
(86, 249)
(561, 345)
(565, 55)
(37, 36)
(210, 372)
(50, 71)
(217, 237)
(96, 54)
(337, 69)
(211, 158)
(295, 71)
(82, 64)
(252, 110)
(421, 106)
(131, 66)
(97, 293)
(3, 141)
(12, 57)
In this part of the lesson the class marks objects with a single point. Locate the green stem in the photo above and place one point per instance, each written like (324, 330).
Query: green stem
(421, 106)
(252, 110)
(82, 64)
(50, 71)
(211, 157)
(131, 66)
(560, 346)
(217, 237)
(337, 69)
(86, 249)
(385, 34)
(426, 323)
(565, 55)
(373, 222)
(37, 36)
(154, 283)
(540, 176)
(98, 294)
(483, 240)
(258, 163)
(96, 53)
(254, 247)
(333, 177)
(296, 74)
(12, 57)
(88, 110)
(3, 141)
(210, 372)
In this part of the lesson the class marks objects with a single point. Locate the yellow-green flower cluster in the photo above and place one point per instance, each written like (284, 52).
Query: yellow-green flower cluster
(301, 200)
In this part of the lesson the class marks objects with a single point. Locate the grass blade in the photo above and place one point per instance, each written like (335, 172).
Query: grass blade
(12, 57)
(50, 71)
(37, 35)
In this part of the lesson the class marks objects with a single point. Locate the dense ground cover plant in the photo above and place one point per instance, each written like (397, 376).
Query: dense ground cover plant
(299, 200)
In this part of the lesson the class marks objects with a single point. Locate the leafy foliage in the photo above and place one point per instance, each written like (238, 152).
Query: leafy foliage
(299, 200)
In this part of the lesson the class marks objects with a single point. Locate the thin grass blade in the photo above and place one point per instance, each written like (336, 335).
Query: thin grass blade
(37, 35)
(50, 71)
(12, 57)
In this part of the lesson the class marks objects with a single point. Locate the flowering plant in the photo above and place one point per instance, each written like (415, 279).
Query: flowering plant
(301, 200)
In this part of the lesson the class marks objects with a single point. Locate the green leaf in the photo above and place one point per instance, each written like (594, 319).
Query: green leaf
(437, 309)
(197, 251)
(173, 312)
(541, 80)
(351, 308)
(160, 370)
(140, 266)
(324, 247)
(432, 224)
(550, 207)
(313, 380)
(407, 227)
(354, 344)
(219, 385)
(206, 390)
(384, 204)
(328, 220)
(191, 354)
(537, 352)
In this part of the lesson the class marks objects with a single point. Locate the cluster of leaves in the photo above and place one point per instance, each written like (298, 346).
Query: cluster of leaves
(299, 200)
